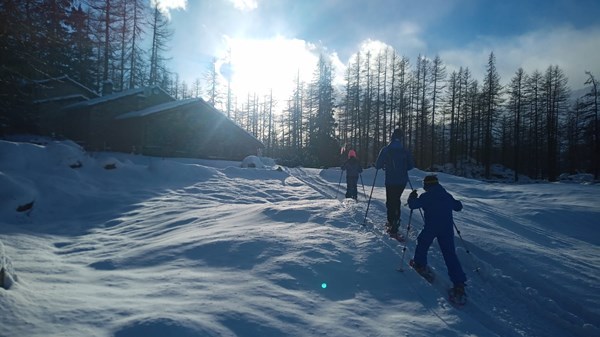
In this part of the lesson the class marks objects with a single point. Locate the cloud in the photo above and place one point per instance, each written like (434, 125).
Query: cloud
(245, 5)
(339, 70)
(408, 38)
(574, 51)
(167, 5)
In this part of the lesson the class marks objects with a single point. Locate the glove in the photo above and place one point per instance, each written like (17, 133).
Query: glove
(413, 194)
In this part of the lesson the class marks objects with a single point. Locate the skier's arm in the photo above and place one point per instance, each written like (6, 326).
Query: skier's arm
(415, 201)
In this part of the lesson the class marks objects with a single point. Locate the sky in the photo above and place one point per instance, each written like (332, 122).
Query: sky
(269, 42)
(203, 248)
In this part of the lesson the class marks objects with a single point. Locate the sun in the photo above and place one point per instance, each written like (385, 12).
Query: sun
(259, 66)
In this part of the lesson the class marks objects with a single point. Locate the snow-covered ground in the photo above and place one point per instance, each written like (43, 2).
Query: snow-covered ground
(174, 247)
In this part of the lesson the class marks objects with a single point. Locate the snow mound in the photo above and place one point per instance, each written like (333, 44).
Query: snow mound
(159, 327)
(19, 156)
(258, 162)
(580, 178)
(172, 170)
(14, 194)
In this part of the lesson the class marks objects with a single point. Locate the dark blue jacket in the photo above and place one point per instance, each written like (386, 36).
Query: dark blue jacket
(396, 161)
(352, 167)
(437, 205)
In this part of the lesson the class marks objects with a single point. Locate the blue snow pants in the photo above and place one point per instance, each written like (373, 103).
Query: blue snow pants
(446, 243)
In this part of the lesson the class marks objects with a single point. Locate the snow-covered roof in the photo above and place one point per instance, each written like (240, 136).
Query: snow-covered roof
(114, 96)
(67, 79)
(106, 98)
(60, 98)
(179, 103)
(158, 108)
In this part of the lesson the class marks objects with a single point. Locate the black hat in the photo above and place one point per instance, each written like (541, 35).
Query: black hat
(430, 180)
(397, 134)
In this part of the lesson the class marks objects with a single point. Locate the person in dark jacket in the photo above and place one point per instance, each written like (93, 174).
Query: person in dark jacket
(396, 161)
(438, 204)
(353, 170)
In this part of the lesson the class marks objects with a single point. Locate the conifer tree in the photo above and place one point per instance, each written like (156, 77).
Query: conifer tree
(516, 106)
(81, 48)
(323, 145)
(492, 91)
(160, 33)
(556, 94)
(592, 102)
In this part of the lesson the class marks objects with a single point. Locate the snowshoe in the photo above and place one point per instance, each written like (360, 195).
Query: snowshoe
(399, 237)
(457, 295)
(425, 271)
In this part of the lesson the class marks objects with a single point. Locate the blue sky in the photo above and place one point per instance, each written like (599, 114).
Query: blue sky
(532, 34)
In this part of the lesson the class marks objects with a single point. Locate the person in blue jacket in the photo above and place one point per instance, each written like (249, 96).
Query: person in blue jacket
(353, 170)
(396, 161)
(437, 205)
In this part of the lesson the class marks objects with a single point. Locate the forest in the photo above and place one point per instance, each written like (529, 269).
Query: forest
(531, 122)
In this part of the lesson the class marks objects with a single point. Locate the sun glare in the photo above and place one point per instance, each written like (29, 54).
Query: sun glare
(259, 66)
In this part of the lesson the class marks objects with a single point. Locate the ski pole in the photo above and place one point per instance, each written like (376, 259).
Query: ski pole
(406, 240)
(370, 196)
(466, 248)
(363, 185)
(339, 184)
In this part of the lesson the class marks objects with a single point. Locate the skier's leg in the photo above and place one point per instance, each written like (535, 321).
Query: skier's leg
(424, 241)
(353, 187)
(393, 193)
(455, 271)
(390, 203)
(348, 187)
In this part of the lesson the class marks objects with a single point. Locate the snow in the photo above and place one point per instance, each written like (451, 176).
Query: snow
(184, 247)
(157, 108)
(111, 97)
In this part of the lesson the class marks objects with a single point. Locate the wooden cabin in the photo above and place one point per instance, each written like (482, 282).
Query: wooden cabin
(143, 120)
(185, 128)
(48, 98)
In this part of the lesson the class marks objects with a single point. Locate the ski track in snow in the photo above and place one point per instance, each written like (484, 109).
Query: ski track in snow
(506, 289)
(375, 224)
